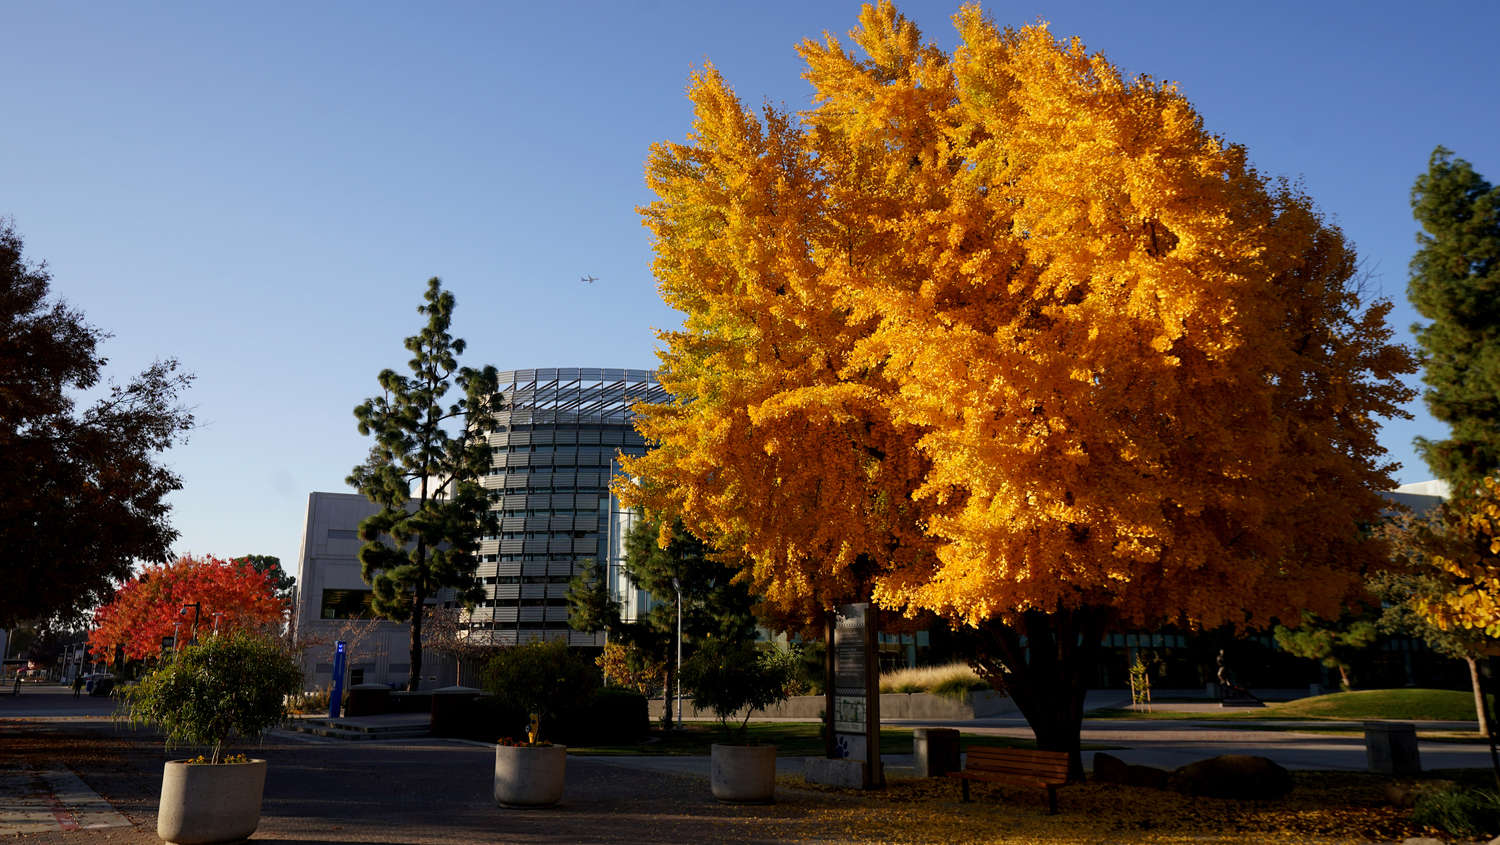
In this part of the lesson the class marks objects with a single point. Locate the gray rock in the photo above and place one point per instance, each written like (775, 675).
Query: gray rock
(1233, 776)
(1111, 769)
(1422, 840)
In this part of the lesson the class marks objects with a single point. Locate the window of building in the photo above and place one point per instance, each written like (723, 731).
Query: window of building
(347, 604)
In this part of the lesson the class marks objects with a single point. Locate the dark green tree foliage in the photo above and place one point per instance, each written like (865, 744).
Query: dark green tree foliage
(713, 604)
(1455, 283)
(285, 585)
(425, 540)
(543, 679)
(729, 677)
(230, 688)
(1333, 643)
(82, 492)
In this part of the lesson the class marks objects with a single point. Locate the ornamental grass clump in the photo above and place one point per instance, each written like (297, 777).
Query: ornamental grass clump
(230, 689)
(952, 680)
(542, 679)
(1461, 812)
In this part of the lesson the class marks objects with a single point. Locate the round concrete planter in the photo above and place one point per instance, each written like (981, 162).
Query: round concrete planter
(744, 774)
(203, 803)
(529, 777)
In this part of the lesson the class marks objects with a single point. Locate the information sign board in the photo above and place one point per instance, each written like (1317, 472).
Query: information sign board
(855, 692)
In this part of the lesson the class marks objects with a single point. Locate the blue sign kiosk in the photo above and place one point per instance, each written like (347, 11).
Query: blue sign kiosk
(337, 696)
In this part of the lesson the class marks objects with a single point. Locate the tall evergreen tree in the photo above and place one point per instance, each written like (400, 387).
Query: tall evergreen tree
(421, 542)
(713, 603)
(1455, 283)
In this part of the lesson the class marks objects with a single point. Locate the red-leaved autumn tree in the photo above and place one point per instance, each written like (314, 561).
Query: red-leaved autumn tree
(147, 608)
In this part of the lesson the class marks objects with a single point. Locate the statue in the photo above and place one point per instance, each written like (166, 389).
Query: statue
(1232, 694)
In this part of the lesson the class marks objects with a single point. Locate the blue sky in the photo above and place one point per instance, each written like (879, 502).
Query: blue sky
(261, 190)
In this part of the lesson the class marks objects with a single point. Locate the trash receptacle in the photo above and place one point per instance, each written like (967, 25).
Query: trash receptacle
(936, 751)
(1391, 748)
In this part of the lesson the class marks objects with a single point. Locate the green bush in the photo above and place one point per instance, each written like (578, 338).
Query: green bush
(1461, 812)
(729, 677)
(544, 679)
(228, 689)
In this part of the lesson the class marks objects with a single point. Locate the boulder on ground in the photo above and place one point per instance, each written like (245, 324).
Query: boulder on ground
(1111, 769)
(1233, 776)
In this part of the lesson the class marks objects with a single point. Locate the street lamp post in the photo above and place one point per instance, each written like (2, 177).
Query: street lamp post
(677, 585)
(197, 607)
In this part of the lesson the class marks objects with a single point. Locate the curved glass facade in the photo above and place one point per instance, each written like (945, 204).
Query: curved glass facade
(558, 436)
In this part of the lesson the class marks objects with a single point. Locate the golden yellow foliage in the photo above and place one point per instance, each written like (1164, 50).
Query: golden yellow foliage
(1461, 552)
(1006, 330)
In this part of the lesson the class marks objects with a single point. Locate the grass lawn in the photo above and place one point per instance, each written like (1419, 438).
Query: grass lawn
(1400, 704)
(792, 739)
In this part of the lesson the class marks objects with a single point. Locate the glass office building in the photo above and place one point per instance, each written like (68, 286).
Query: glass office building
(554, 450)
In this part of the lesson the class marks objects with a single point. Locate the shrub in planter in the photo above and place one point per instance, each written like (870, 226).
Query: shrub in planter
(229, 689)
(543, 680)
(729, 678)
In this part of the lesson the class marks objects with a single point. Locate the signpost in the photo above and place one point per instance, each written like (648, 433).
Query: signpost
(853, 693)
(336, 697)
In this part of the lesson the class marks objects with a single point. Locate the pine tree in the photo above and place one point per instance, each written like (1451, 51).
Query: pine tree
(713, 603)
(421, 543)
(1455, 283)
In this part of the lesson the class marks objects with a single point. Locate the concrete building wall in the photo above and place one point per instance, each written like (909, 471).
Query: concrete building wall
(328, 570)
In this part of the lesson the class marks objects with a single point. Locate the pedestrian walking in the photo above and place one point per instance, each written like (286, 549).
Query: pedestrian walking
(17, 691)
(77, 684)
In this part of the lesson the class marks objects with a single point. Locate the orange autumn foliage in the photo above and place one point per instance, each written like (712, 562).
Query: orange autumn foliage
(146, 609)
(1006, 330)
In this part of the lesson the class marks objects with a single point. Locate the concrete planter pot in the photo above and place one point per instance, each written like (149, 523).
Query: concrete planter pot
(744, 774)
(529, 777)
(204, 803)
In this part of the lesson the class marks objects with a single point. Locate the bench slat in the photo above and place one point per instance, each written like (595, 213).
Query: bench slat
(1014, 764)
(1018, 753)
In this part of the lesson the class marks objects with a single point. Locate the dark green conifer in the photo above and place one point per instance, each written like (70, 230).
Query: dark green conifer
(713, 604)
(1455, 283)
(425, 540)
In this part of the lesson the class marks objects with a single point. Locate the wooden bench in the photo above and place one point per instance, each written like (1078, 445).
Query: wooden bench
(1017, 767)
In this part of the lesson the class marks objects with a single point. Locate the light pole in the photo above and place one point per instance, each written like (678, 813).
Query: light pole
(677, 585)
(197, 607)
(176, 643)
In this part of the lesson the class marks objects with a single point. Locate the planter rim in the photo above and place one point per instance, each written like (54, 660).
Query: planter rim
(732, 745)
(532, 747)
(185, 762)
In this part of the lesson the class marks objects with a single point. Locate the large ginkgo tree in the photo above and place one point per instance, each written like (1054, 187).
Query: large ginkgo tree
(1006, 336)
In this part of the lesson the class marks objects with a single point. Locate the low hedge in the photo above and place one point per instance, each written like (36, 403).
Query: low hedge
(609, 717)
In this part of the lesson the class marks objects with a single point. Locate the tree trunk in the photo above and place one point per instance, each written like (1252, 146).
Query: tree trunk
(1344, 684)
(414, 673)
(1479, 706)
(1044, 663)
(1487, 671)
(666, 698)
